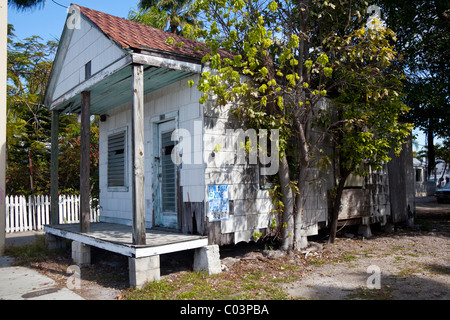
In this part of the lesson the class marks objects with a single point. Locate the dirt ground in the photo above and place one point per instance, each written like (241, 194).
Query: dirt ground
(412, 263)
(408, 263)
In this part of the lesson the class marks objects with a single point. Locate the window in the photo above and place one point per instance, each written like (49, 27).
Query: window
(354, 182)
(117, 160)
(419, 175)
(87, 70)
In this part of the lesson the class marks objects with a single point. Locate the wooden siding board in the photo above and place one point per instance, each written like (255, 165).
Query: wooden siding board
(85, 44)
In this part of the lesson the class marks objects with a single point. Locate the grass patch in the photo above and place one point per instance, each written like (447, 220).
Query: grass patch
(190, 285)
(437, 269)
(31, 253)
(347, 257)
(317, 262)
(408, 271)
(367, 253)
(199, 286)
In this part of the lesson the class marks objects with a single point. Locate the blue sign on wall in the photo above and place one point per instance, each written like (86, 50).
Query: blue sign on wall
(218, 204)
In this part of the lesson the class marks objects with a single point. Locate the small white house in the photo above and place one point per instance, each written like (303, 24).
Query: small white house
(422, 185)
(137, 83)
(168, 163)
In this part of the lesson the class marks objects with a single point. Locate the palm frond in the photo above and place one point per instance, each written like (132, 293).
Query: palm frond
(23, 5)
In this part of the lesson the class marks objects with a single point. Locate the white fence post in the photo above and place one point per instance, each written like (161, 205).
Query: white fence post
(22, 215)
(8, 214)
(47, 209)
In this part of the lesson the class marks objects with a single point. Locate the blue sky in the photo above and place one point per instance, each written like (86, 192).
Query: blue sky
(49, 21)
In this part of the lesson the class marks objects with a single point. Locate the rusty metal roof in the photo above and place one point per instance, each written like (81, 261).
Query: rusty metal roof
(138, 37)
(112, 87)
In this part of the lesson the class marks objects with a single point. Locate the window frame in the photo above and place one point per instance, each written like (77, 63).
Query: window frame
(125, 187)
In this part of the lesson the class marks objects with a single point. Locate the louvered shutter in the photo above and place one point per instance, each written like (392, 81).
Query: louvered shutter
(116, 160)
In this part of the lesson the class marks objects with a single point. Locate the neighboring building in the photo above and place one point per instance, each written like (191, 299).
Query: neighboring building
(423, 187)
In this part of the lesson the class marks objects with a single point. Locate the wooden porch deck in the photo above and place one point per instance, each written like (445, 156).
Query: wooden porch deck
(118, 238)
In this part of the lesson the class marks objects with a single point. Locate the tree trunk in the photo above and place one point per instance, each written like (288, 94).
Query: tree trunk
(300, 242)
(288, 211)
(337, 207)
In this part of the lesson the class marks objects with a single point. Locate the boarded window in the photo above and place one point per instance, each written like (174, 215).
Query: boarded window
(116, 159)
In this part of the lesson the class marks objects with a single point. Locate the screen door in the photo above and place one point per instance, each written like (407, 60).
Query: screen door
(167, 178)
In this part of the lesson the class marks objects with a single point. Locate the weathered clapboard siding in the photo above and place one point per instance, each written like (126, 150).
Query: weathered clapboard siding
(175, 98)
(79, 46)
(251, 206)
(371, 201)
(401, 185)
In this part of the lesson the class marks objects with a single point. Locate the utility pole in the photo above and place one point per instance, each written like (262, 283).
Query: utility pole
(3, 59)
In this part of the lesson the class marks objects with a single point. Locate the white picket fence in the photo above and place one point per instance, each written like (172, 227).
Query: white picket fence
(22, 215)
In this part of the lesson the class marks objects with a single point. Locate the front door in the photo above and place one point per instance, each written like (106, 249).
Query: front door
(166, 215)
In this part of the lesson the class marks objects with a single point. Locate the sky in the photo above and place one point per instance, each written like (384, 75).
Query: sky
(48, 23)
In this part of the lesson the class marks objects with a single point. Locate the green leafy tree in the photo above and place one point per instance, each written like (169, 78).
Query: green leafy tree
(423, 33)
(278, 77)
(369, 108)
(29, 125)
(69, 158)
(29, 65)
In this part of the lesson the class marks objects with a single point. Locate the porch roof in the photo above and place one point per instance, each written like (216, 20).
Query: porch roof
(115, 89)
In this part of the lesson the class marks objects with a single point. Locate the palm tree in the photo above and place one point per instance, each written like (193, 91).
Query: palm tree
(166, 14)
(22, 5)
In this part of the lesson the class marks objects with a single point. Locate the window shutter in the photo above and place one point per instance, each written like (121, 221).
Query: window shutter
(116, 160)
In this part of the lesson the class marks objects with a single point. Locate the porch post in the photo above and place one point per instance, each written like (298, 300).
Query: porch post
(137, 145)
(3, 55)
(84, 160)
(54, 165)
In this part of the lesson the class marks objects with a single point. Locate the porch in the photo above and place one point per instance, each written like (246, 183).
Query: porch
(121, 63)
(118, 238)
(143, 259)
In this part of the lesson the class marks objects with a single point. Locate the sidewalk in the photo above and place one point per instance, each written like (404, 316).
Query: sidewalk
(21, 283)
